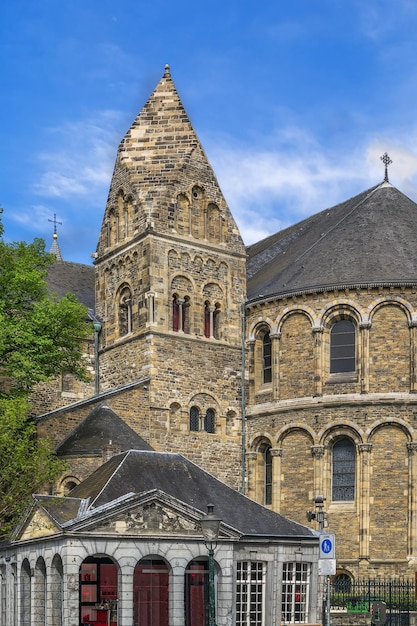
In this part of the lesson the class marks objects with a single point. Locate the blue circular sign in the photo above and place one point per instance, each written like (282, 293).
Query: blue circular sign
(326, 546)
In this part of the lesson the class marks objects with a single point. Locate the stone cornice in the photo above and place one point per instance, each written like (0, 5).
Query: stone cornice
(342, 400)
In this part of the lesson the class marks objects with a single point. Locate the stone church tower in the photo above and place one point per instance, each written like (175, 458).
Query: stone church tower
(170, 283)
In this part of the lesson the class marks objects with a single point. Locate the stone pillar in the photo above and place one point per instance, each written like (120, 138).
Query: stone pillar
(176, 590)
(250, 368)
(364, 493)
(412, 499)
(251, 462)
(276, 454)
(318, 470)
(364, 356)
(275, 364)
(125, 592)
(413, 355)
(318, 360)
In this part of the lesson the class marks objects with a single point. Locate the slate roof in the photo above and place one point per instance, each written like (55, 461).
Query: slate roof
(138, 471)
(370, 238)
(64, 277)
(100, 427)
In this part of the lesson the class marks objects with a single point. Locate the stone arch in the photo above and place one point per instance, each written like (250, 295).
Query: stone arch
(390, 348)
(258, 325)
(183, 214)
(213, 223)
(390, 479)
(68, 482)
(390, 299)
(124, 309)
(293, 309)
(393, 422)
(198, 203)
(204, 413)
(295, 442)
(297, 363)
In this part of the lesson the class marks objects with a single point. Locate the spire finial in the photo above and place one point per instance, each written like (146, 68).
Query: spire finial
(386, 161)
(55, 245)
(55, 222)
(167, 73)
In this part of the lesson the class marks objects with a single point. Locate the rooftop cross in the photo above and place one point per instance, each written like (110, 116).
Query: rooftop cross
(386, 161)
(55, 222)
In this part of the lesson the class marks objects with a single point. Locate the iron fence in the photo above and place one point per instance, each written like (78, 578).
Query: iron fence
(359, 596)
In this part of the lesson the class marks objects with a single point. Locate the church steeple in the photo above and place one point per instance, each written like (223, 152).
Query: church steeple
(55, 249)
(163, 180)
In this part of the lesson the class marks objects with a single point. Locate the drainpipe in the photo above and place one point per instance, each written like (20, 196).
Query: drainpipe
(243, 403)
(97, 329)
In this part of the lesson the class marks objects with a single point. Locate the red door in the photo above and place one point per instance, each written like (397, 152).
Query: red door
(150, 593)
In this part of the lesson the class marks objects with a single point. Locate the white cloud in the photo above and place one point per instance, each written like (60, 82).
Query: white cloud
(80, 161)
(268, 190)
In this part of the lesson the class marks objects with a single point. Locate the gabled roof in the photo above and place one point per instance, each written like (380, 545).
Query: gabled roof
(370, 238)
(138, 472)
(101, 427)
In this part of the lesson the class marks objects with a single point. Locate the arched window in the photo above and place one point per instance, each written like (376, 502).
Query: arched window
(98, 591)
(268, 475)
(180, 314)
(342, 347)
(151, 593)
(196, 593)
(267, 358)
(343, 470)
(125, 311)
(194, 418)
(211, 320)
(209, 421)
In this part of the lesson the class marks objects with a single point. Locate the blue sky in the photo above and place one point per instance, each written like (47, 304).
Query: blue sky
(294, 103)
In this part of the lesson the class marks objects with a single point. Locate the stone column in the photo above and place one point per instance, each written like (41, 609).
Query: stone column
(364, 492)
(275, 364)
(276, 454)
(412, 499)
(318, 360)
(364, 356)
(318, 469)
(251, 473)
(413, 355)
(250, 368)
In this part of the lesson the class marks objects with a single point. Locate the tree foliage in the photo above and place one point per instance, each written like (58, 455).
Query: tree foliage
(27, 463)
(40, 337)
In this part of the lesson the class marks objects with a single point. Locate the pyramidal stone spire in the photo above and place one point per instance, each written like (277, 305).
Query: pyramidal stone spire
(54, 249)
(159, 165)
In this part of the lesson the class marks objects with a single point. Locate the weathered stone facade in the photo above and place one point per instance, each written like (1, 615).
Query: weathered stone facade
(175, 286)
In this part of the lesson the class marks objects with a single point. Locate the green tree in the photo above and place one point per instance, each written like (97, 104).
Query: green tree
(27, 463)
(41, 336)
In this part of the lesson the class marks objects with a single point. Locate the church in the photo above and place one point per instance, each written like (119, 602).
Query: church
(285, 369)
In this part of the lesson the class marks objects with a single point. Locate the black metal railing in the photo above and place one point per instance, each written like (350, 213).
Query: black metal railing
(359, 596)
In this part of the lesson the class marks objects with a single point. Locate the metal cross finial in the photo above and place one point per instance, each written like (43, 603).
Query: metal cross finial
(55, 222)
(386, 161)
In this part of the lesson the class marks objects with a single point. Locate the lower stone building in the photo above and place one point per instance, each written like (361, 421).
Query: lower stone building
(126, 549)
